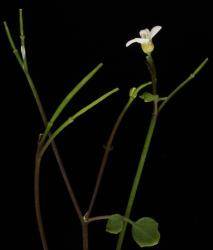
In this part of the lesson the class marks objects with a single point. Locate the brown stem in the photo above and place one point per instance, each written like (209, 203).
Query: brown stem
(152, 71)
(108, 148)
(37, 201)
(85, 235)
(66, 180)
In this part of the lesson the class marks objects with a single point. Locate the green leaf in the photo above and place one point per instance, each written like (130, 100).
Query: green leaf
(148, 97)
(145, 232)
(114, 224)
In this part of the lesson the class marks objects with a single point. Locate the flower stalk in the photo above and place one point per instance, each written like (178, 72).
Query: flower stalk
(148, 139)
(144, 153)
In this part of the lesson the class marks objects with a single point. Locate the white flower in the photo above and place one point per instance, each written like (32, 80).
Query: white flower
(146, 39)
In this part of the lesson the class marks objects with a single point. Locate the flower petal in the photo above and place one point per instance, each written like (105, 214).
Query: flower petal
(137, 40)
(145, 33)
(155, 30)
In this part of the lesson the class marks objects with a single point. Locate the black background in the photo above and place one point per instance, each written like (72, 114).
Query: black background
(65, 40)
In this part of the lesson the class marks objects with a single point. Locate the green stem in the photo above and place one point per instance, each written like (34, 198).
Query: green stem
(22, 39)
(149, 137)
(152, 70)
(26, 73)
(12, 44)
(181, 85)
(137, 178)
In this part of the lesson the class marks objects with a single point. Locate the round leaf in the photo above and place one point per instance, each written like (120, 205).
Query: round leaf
(114, 224)
(145, 232)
